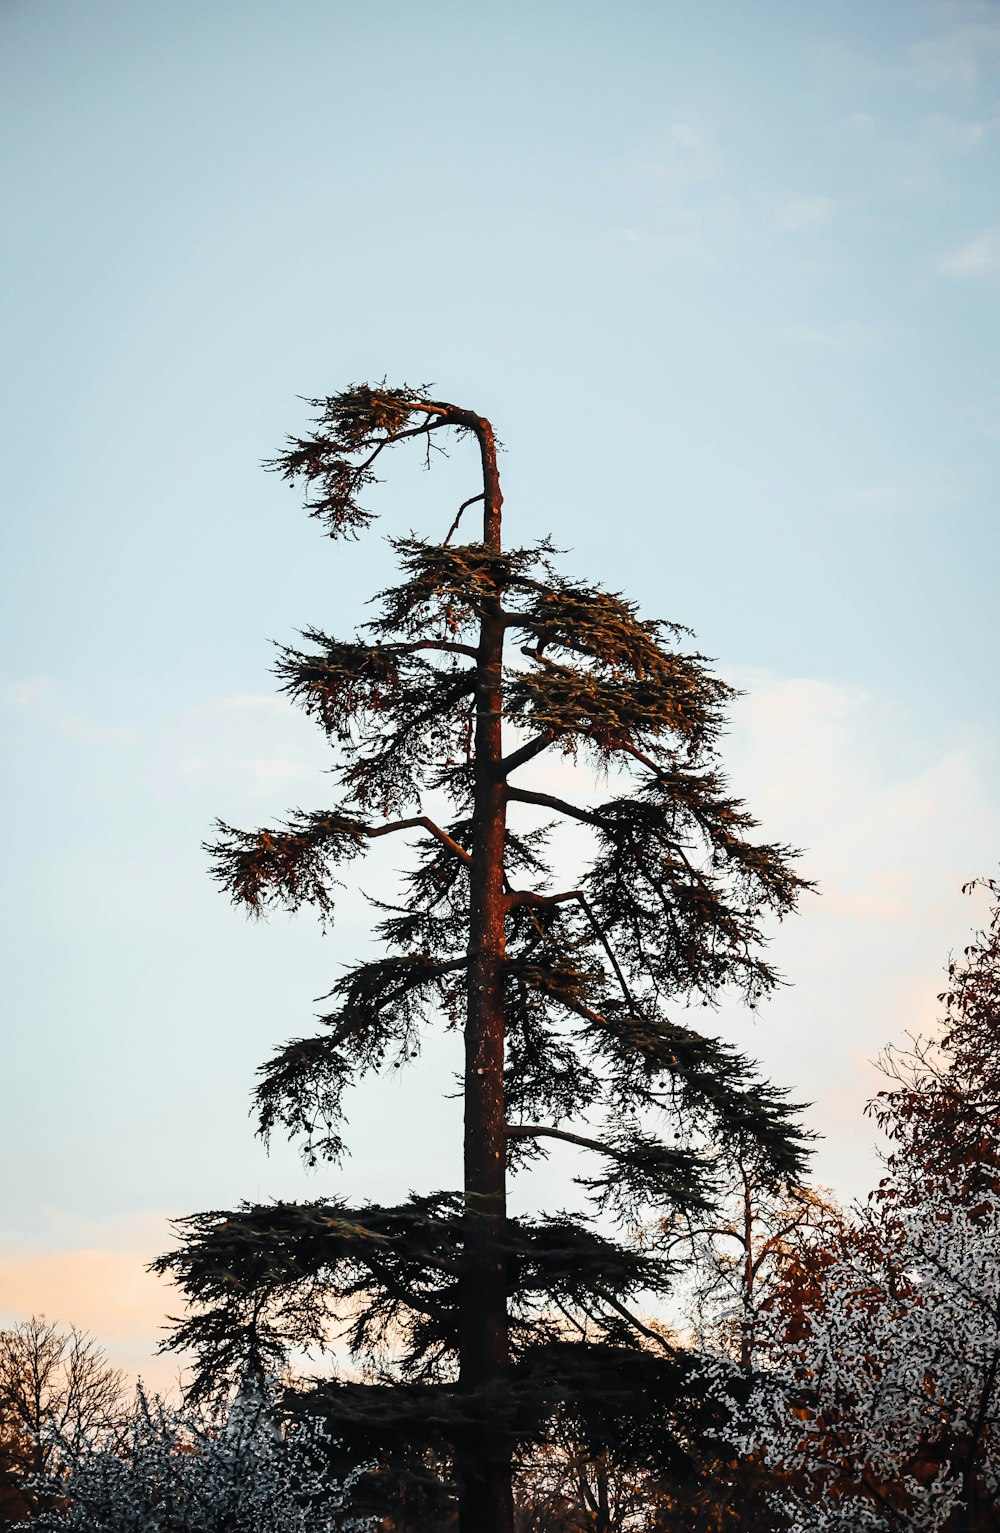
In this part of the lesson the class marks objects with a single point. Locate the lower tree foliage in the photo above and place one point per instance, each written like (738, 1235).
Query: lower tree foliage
(563, 1489)
(171, 1471)
(474, 1337)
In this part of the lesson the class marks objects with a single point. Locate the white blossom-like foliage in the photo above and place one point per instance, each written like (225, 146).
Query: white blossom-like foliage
(884, 1411)
(170, 1472)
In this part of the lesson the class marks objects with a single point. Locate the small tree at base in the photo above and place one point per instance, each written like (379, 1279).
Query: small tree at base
(477, 1327)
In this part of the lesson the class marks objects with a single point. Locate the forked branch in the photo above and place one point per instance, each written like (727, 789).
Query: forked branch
(518, 897)
(399, 436)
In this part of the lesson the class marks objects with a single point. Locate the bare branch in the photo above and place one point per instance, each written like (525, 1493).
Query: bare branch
(549, 801)
(399, 436)
(606, 945)
(633, 1320)
(422, 821)
(458, 515)
(540, 1131)
(450, 646)
(527, 752)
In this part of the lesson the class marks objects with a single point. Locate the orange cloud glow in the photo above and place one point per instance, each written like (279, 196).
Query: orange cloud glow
(106, 1292)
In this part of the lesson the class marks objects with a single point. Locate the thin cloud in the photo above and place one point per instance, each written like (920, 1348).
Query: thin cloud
(957, 60)
(932, 490)
(804, 214)
(858, 125)
(674, 231)
(36, 698)
(892, 827)
(985, 417)
(257, 740)
(685, 155)
(852, 339)
(671, 206)
(961, 133)
(978, 257)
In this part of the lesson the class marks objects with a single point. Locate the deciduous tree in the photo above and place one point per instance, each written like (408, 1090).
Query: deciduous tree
(738, 1254)
(54, 1385)
(884, 1413)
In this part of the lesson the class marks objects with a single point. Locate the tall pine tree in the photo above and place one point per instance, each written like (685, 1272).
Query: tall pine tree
(474, 1332)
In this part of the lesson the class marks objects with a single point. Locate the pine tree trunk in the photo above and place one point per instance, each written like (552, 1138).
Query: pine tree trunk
(483, 1458)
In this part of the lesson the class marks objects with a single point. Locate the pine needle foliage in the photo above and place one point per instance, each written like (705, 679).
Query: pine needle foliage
(476, 1333)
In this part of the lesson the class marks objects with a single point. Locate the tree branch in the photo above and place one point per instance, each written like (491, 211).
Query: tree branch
(404, 1295)
(422, 821)
(458, 515)
(540, 1131)
(634, 1320)
(581, 1009)
(449, 645)
(606, 945)
(527, 752)
(661, 777)
(451, 415)
(518, 897)
(399, 436)
(549, 801)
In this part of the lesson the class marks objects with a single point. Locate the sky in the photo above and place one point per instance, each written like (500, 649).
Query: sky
(725, 277)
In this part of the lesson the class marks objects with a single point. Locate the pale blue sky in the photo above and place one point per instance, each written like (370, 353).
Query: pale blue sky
(726, 278)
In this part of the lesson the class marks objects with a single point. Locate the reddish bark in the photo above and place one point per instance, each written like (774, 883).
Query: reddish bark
(484, 1461)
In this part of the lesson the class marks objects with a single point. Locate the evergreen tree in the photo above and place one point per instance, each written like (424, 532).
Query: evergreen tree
(477, 1330)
